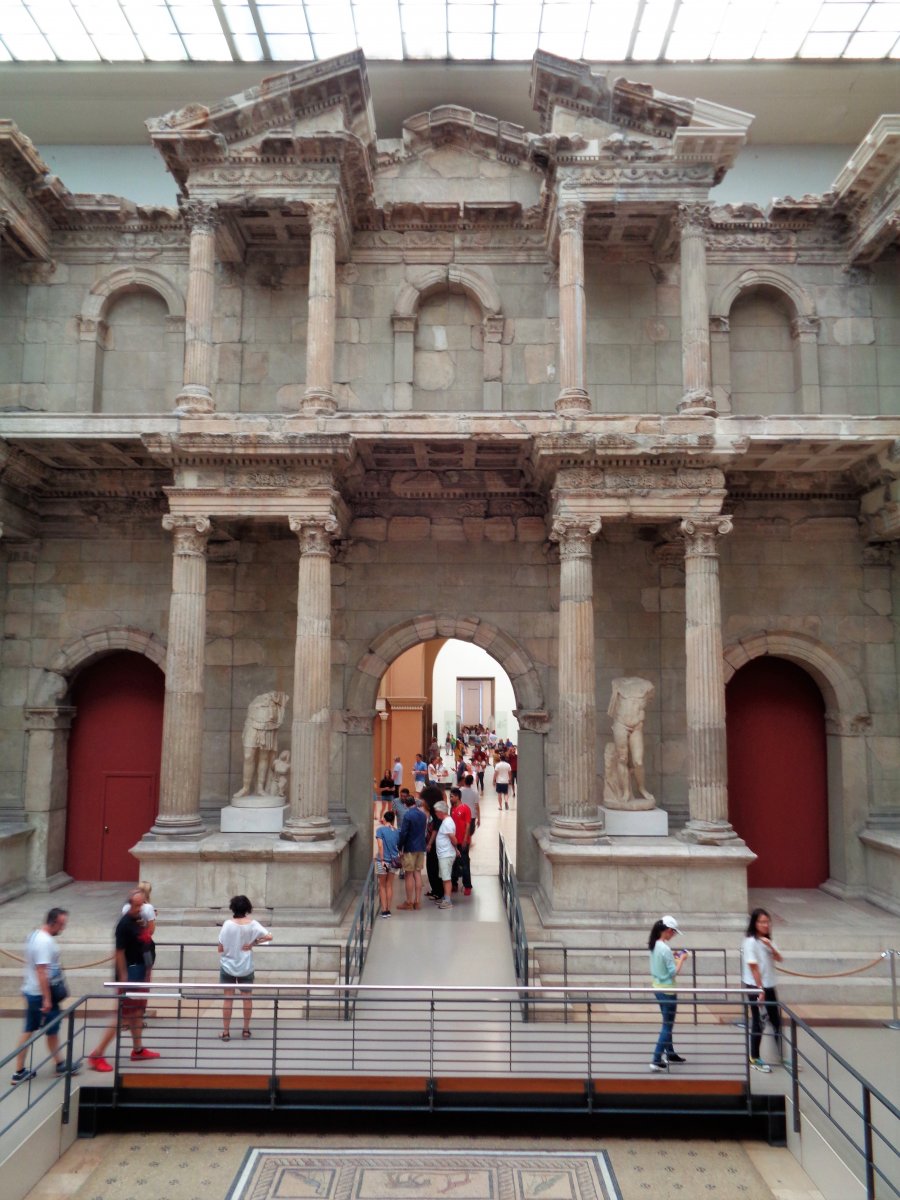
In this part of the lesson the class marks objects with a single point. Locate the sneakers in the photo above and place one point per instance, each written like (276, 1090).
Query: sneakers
(659, 1065)
(98, 1063)
(22, 1076)
(386, 913)
(758, 1065)
(675, 1058)
(467, 891)
(446, 904)
(143, 1054)
(61, 1068)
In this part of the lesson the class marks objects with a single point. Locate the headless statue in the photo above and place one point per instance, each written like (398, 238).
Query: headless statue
(624, 756)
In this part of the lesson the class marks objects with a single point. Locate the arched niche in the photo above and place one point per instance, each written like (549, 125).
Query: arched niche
(137, 314)
(847, 722)
(357, 721)
(475, 296)
(763, 321)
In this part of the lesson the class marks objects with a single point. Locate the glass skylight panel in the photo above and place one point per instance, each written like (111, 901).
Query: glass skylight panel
(335, 17)
(475, 46)
(239, 18)
(654, 20)
(196, 18)
(870, 45)
(277, 18)
(167, 47)
(518, 18)
(470, 18)
(151, 20)
(378, 29)
(824, 45)
(424, 27)
(514, 47)
(609, 30)
(29, 47)
(248, 47)
(881, 16)
(786, 28)
(836, 18)
(289, 47)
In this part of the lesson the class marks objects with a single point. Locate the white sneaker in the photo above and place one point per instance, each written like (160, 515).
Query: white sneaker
(446, 904)
(758, 1065)
(659, 1066)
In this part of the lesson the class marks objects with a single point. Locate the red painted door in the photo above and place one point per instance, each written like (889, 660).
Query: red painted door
(114, 753)
(777, 778)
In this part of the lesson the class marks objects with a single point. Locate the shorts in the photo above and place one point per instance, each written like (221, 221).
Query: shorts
(413, 860)
(420, 785)
(35, 1019)
(502, 789)
(224, 977)
(383, 868)
(137, 973)
(445, 867)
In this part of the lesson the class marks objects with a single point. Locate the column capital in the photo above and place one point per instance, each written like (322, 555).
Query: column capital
(805, 327)
(323, 216)
(56, 716)
(693, 218)
(574, 535)
(701, 535)
(200, 216)
(315, 533)
(532, 720)
(190, 534)
(570, 217)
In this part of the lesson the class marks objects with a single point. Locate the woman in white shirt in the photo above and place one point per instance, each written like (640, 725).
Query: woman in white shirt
(237, 938)
(759, 954)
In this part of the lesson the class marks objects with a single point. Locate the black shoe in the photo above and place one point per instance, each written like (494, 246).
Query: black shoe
(675, 1058)
(22, 1076)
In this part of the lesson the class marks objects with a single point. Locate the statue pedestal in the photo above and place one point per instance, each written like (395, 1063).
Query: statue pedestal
(630, 822)
(242, 818)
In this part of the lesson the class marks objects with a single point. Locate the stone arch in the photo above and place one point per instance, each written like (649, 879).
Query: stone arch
(127, 279)
(847, 721)
(801, 301)
(455, 276)
(55, 679)
(382, 651)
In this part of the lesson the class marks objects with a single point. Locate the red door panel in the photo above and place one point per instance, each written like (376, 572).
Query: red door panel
(114, 753)
(777, 778)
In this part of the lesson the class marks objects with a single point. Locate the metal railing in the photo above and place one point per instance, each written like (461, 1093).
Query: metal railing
(17, 1100)
(705, 967)
(509, 890)
(357, 945)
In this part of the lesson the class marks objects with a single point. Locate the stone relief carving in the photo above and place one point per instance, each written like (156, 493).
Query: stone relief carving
(265, 714)
(623, 758)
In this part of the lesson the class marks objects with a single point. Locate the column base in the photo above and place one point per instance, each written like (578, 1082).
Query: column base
(317, 402)
(698, 403)
(194, 401)
(573, 400)
(183, 830)
(710, 833)
(578, 830)
(308, 829)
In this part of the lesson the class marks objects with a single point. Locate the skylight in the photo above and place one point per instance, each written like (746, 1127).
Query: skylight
(498, 30)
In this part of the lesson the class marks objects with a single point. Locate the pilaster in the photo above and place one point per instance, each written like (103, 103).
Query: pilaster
(693, 221)
(196, 395)
(323, 221)
(573, 396)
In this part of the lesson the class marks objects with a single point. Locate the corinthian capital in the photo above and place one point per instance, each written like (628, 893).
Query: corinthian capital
(200, 216)
(692, 218)
(190, 534)
(574, 536)
(571, 217)
(315, 534)
(701, 535)
(323, 216)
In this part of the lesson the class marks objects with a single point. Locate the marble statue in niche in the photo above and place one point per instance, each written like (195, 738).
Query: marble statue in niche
(623, 759)
(265, 715)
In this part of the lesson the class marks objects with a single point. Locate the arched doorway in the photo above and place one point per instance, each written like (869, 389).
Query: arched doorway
(777, 776)
(114, 755)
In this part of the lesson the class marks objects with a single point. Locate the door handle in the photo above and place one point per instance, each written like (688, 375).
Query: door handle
(106, 829)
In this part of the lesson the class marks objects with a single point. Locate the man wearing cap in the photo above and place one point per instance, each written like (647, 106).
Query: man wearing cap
(447, 850)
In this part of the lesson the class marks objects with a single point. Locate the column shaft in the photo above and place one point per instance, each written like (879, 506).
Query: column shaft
(572, 312)
(579, 817)
(705, 698)
(319, 393)
(693, 220)
(179, 791)
(308, 818)
(197, 390)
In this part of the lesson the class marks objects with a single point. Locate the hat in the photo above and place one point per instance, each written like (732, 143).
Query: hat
(442, 805)
(670, 923)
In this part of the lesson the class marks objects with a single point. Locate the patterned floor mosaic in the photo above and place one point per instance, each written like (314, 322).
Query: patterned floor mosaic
(389, 1174)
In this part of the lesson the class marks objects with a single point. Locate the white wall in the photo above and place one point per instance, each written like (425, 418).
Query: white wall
(465, 659)
(760, 173)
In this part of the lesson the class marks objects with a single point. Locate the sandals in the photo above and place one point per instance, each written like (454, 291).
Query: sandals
(246, 1033)
(224, 1037)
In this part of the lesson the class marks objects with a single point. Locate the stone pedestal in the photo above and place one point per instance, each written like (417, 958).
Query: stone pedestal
(631, 822)
(636, 879)
(311, 880)
(264, 819)
(14, 839)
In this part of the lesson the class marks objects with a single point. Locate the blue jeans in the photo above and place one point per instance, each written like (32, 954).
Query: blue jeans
(668, 1004)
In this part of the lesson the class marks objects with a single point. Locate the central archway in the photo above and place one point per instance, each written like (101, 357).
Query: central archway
(529, 690)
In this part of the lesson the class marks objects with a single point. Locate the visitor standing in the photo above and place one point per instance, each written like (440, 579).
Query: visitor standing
(420, 773)
(664, 967)
(512, 757)
(387, 860)
(412, 851)
(237, 937)
(44, 991)
(759, 954)
(462, 820)
(446, 849)
(502, 772)
(397, 775)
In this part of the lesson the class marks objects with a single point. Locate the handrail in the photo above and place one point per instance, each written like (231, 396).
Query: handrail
(509, 889)
(357, 945)
(67, 1046)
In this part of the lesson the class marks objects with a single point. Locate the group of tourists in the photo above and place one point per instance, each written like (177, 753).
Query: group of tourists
(759, 954)
(435, 834)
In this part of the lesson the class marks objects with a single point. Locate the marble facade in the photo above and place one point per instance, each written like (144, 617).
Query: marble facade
(532, 390)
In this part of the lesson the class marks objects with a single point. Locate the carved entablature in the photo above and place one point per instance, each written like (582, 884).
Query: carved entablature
(451, 124)
(868, 191)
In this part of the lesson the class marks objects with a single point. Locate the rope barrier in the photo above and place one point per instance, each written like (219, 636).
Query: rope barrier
(837, 974)
(69, 967)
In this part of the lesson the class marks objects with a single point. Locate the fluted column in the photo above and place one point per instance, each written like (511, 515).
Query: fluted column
(693, 221)
(182, 741)
(319, 393)
(705, 701)
(308, 819)
(579, 817)
(196, 395)
(573, 396)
